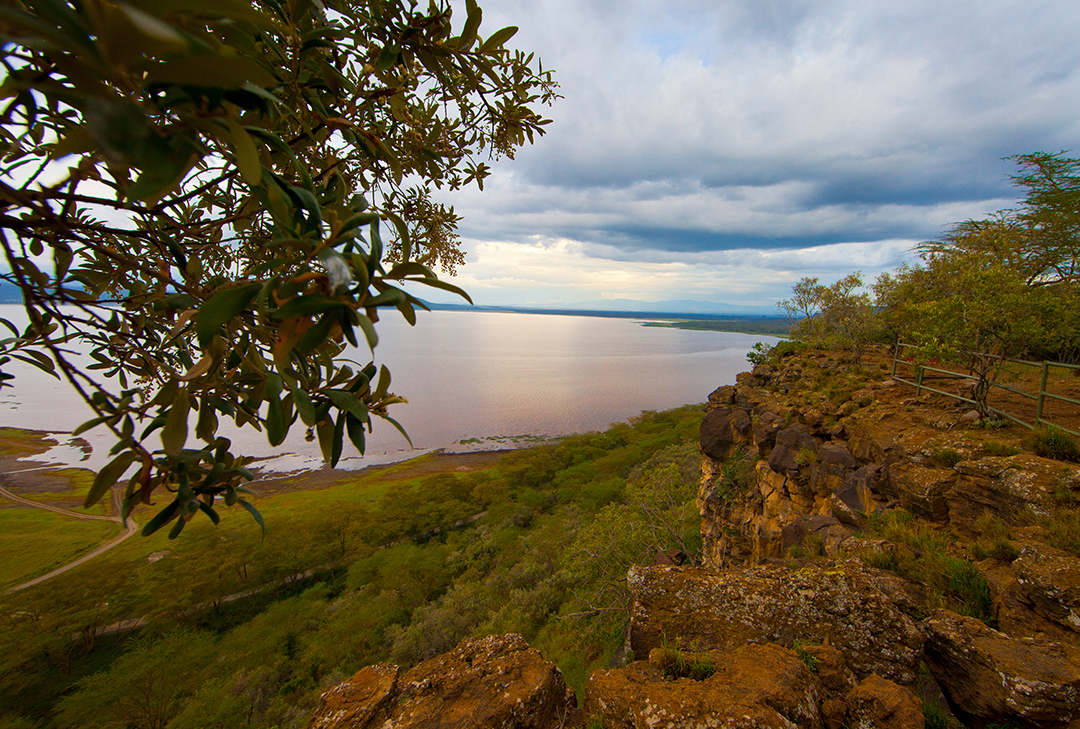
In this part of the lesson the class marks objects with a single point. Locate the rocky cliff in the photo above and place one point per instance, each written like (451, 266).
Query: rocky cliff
(871, 559)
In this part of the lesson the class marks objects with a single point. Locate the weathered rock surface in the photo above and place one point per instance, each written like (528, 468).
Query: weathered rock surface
(1006, 486)
(365, 700)
(993, 677)
(723, 429)
(835, 603)
(498, 681)
(878, 703)
(762, 686)
(1049, 579)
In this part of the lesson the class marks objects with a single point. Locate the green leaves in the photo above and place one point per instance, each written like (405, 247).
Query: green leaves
(175, 431)
(221, 307)
(229, 165)
(247, 155)
(219, 72)
(498, 38)
(108, 476)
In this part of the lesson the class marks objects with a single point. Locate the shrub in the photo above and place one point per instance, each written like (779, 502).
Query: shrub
(946, 457)
(806, 656)
(675, 664)
(1000, 449)
(787, 348)
(1052, 442)
(760, 353)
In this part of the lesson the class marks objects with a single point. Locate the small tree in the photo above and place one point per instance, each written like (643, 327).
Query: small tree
(800, 309)
(195, 192)
(985, 315)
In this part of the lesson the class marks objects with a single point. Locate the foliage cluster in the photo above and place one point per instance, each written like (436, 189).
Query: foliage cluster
(386, 570)
(192, 193)
(1001, 287)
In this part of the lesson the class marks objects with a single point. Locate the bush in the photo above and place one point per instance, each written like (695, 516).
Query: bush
(675, 664)
(946, 457)
(1049, 441)
(806, 656)
(759, 353)
(1000, 449)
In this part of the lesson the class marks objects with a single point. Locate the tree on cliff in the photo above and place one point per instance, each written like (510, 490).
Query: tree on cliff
(197, 192)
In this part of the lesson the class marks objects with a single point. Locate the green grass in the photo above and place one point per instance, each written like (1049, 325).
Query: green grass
(19, 442)
(35, 541)
(995, 448)
(946, 457)
(1051, 442)
(951, 581)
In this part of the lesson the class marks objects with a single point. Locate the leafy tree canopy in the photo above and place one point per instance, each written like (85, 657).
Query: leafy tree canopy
(216, 196)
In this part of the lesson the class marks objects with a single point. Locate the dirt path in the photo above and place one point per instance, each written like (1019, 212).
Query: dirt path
(130, 527)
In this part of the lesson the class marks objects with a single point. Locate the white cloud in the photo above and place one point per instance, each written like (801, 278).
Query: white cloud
(751, 141)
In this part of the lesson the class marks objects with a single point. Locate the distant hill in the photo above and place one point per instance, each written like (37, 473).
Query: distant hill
(678, 306)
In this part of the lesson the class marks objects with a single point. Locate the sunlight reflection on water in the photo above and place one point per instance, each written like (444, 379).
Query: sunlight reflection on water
(474, 381)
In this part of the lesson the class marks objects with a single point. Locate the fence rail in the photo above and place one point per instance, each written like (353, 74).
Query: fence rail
(1040, 399)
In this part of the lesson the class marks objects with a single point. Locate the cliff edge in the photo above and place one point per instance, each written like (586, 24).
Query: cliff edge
(871, 558)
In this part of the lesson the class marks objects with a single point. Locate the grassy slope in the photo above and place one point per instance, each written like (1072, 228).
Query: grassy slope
(433, 585)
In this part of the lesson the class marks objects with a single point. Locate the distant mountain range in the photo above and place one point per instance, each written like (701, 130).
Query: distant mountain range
(678, 306)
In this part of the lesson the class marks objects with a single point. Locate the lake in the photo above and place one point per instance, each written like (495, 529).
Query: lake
(474, 380)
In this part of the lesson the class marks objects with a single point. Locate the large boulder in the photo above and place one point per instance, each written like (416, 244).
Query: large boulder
(723, 429)
(498, 681)
(922, 490)
(836, 603)
(878, 703)
(992, 677)
(756, 686)
(1006, 486)
(795, 447)
(365, 700)
(1049, 579)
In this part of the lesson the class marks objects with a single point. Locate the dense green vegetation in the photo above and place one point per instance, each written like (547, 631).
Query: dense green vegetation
(1006, 286)
(245, 632)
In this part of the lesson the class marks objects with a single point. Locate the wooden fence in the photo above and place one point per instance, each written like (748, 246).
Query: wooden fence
(920, 378)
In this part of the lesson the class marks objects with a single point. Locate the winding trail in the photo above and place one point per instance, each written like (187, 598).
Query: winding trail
(130, 527)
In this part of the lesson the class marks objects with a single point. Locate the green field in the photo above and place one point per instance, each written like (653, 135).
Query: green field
(35, 541)
(391, 564)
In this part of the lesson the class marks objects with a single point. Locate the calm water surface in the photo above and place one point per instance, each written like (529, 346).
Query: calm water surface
(474, 380)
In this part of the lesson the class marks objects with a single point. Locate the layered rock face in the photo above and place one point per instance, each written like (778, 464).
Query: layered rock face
(498, 681)
(820, 468)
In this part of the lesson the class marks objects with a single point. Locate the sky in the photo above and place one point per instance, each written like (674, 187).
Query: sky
(722, 150)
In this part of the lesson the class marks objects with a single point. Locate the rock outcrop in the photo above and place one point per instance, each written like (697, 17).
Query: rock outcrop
(755, 686)
(801, 614)
(498, 681)
(837, 604)
(987, 675)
